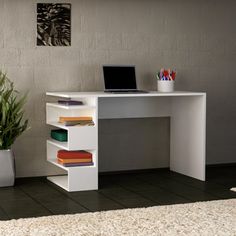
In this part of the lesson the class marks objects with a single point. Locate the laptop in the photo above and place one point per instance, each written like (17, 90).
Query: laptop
(120, 79)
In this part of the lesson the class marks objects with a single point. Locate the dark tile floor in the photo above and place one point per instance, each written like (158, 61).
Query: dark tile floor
(32, 197)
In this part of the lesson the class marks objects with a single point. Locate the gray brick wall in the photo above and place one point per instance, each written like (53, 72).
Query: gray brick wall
(198, 38)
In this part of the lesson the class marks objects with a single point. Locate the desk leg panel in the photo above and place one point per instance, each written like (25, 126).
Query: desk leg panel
(188, 136)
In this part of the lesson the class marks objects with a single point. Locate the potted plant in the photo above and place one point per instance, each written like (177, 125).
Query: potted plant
(12, 125)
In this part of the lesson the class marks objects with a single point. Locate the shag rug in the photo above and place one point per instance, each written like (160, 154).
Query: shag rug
(201, 218)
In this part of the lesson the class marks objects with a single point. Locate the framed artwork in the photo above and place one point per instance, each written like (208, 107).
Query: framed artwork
(53, 24)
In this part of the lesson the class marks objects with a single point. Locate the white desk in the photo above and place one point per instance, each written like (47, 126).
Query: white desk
(187, 112)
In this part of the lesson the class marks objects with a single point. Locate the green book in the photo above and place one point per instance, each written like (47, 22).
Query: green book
(59, 135)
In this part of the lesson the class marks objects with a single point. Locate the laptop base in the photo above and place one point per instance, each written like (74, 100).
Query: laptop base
(126, 91)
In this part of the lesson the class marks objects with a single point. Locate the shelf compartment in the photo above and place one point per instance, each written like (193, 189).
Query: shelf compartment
(77, 180)
(62, 126)
(53, 148)
(59, 125)
(61, 145)
(72, 107)
(61, 181)
(79, 137)
(54, 111)
(87, 101)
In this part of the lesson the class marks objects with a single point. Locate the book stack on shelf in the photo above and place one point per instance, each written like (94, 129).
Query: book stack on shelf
(81, 120)
(74, 158)
(70, 102)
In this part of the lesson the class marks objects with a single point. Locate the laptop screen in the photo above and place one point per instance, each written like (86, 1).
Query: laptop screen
(119, 77)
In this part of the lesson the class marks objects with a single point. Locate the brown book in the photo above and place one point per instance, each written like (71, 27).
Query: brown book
(66, 161)
(79, 122)
(63, 119)
(64, 154)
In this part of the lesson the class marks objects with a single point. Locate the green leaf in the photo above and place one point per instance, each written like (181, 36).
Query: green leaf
(12, 123)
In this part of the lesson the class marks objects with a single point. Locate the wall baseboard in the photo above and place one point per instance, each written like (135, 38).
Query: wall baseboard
(233, 164)
(133, 171)
(139, 171)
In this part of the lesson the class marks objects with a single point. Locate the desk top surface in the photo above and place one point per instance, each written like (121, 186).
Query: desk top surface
(103, 94)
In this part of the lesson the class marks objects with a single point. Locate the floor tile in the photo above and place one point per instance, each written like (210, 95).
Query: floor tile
(66, 207)
(39, 189)
(94, 201)
(163, 197)
(139, 187)
(23, 208)
(198, 184)
(3, 215)
(226, 182)
(222, 193)
(118, 193)
(183, 190)
(137, 202)
(60, 204)
(127, 198)
(12, 193)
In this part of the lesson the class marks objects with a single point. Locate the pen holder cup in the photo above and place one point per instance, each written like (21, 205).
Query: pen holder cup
(165, 86)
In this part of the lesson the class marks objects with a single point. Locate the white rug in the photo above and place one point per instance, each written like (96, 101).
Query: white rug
(203, 218)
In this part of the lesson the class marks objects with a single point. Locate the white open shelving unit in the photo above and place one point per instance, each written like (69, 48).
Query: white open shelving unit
(78, 178)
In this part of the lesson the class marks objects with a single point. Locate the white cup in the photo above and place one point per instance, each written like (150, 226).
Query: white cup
(165, 86)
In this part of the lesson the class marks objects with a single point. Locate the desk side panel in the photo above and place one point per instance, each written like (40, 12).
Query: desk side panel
(188, 136)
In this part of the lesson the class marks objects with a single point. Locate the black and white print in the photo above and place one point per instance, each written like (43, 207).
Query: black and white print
(53, 24)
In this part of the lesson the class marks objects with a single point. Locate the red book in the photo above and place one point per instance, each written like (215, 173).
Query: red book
(63, 154)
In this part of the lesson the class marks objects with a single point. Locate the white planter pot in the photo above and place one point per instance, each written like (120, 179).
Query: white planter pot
(166, 86)
(7, 168)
